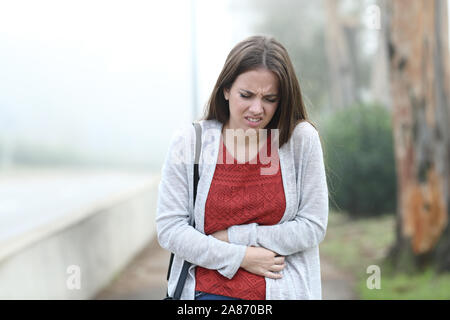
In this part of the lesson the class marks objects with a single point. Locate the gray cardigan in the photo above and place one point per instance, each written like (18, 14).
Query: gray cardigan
(296, 236)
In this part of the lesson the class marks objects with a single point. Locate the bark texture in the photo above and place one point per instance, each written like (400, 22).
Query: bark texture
(420, 85)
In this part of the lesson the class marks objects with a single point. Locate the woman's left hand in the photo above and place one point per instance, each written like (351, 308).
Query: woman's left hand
(221, 235)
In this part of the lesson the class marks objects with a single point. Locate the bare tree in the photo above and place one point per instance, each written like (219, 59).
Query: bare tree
(420, 87)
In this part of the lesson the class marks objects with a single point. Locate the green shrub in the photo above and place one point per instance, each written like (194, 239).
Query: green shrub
(359, 155)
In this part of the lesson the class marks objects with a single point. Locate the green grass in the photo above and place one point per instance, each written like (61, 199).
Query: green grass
(355, 244)
(425, 286)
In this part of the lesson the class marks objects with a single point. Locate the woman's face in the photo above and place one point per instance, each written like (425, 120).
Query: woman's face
(253, 96)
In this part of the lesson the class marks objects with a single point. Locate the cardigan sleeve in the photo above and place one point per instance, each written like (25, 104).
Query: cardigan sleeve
(308, 228)
(174, 232)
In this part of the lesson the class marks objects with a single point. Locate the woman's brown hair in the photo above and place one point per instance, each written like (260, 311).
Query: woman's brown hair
(261, 52)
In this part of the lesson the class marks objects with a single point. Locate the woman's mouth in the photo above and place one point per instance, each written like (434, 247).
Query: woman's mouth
(253, 122)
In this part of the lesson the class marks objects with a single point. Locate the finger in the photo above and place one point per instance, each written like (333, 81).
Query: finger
(277, 267)
(279, 260)
(272, 275)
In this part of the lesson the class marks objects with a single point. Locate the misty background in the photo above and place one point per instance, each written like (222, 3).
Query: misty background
(105, 83)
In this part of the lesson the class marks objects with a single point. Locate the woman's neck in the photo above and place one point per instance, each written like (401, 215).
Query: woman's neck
(241, 137)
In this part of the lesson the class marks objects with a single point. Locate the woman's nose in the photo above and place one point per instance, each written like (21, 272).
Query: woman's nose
(256, 107)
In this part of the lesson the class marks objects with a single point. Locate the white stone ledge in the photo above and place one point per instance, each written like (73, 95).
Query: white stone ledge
(100, 236)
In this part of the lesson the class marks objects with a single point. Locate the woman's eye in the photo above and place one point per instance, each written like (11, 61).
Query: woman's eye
(269, 100)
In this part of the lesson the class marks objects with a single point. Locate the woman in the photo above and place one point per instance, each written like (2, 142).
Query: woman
(261, 208)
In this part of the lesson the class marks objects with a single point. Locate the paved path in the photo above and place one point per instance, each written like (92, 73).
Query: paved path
(336, 284)
(145, 278)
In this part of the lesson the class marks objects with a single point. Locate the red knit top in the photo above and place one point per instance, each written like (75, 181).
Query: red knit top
(239, 194)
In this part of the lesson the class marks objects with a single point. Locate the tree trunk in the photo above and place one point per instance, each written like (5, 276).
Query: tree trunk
(420, 87)
(340, 59)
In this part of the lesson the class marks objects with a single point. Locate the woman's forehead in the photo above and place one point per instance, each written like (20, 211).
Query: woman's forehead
(264, 81)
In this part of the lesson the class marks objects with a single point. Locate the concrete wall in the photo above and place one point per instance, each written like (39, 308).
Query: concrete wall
(95, 244)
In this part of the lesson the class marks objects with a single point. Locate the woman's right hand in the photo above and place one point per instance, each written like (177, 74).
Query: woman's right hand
(263, 262)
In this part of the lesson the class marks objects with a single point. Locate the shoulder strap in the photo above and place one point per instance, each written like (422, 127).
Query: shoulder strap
(198, 147)
(186, 264)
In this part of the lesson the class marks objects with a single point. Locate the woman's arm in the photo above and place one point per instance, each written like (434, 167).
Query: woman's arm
(172, 217)
(308, 228)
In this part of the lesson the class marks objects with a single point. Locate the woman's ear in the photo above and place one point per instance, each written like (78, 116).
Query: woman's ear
(226, 93)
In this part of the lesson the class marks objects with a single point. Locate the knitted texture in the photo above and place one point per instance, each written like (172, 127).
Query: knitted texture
(239, 194)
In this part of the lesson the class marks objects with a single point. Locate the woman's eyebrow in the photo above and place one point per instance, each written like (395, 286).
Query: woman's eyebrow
(267, 95)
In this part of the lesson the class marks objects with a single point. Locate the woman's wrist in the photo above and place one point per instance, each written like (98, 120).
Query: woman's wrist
(244, 234)
(221, 235)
